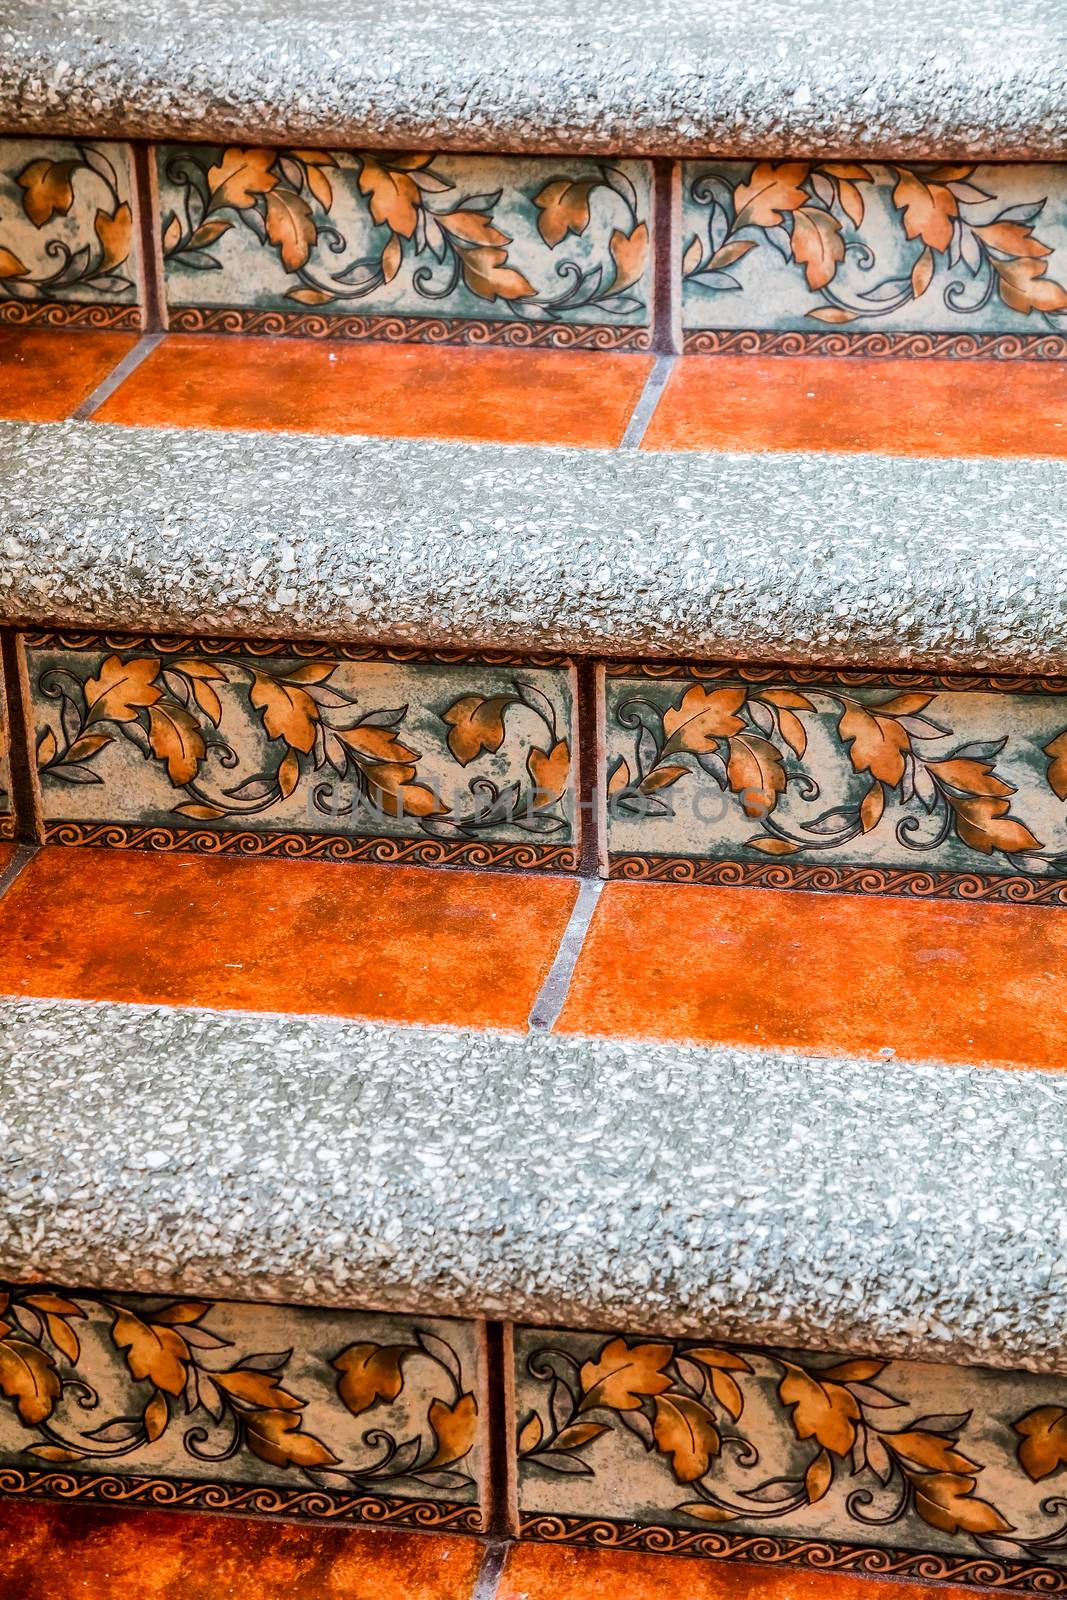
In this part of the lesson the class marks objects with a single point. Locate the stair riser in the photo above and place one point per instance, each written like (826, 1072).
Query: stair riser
(872, 258)
(905, 783)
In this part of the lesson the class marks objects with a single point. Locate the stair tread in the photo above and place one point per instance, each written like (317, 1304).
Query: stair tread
(669, 78)
(769, 1197)
(877, 561)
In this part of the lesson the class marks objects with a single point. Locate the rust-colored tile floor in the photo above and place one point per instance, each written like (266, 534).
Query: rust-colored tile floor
(833, 973)
(411, 944)
(67, 1551)
(45, 374)
(413, 391)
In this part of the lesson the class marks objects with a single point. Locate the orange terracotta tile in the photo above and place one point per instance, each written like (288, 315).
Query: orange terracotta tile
(410, 944)
(553, 1572)
(896, 407)
(409, 391)
(825, 973)
(6, 852)
(78, 1552)
(46, 374)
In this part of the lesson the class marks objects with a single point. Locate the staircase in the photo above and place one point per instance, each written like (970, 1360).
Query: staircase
(533, 802)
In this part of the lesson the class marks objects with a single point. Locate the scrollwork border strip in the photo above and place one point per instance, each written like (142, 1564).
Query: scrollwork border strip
(313, 846)
(992, 888)
(915, 346)
(396, 329)
(767, 1550)
(307, 649)
(71, 314)
(258, 1500)
(851, 677)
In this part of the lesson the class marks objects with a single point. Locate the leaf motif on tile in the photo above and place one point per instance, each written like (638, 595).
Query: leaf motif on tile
(73, 196)
(814, 215)
(752, 743)
(478, 726)
(419, 219)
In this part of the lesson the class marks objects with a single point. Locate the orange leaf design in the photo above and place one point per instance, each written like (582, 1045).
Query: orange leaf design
(28, 1377)
(259, 1389)
(291, 227)
(550, 770)
(47, 188)
(395, 198)
(984, 823)
(487, 274)
(629, 251)
(704, 1511)
(530, 1434)
(289, 712)
(175, 739)
(114, 232)
(156, 1417)
(872, 806)
(240, 176)
(476, 724)
(946, 1500)
(756, 773)
(473, 227)
(369, 1373)
(1024, 287)
(277, 1437)
(825, 1412)
(973, 777)
(203, 674)
(701, 717)
(768, 845)
(1011, 238)
(122, 688)
(685, 1430)
(878, 743)
(922, 273)
(930, 1450)
(929, 209)
(454, 1428)
(394, 793)
(377, 744)
(772, 189)
(564, 207)
(661, 778)
(1043, 1450)
(10, 265)
(819, 1477)
(623, 1374)
(153, 1351)
(817, 245)
(1057, 771)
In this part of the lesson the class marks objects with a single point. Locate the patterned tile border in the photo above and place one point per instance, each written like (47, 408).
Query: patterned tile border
(438, 248)
(276, 1410)
(790, 1458)
(69, 235)
(950, 260)
(304, 750)
(905, 784)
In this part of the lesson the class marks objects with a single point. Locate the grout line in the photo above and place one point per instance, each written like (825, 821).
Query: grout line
(588, 808)
(21, 752)
(24, 854)
(107, 386)
(147, 201)
(666, 231)
(487, 1583)
(647, 402)
(553, 992)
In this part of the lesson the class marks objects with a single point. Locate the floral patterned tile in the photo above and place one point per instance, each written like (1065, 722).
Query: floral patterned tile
(780, 1456)
(912, 785)
(321, 751)
(489, 249)
(230, 1406)
(951, 259)
(68, 235)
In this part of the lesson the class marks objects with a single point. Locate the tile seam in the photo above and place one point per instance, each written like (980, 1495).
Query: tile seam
(494, 1559)
(117, 376)
(24, 854)
(552, 995)
(21, 747)
(146, 197)
(647, 401)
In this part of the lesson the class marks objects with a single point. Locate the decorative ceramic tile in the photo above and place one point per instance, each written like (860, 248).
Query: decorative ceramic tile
(68, 241)
(924, 260)
(318, 751)
(489, 249)
(908, 785)
(263, 1408)
(787, 1457)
